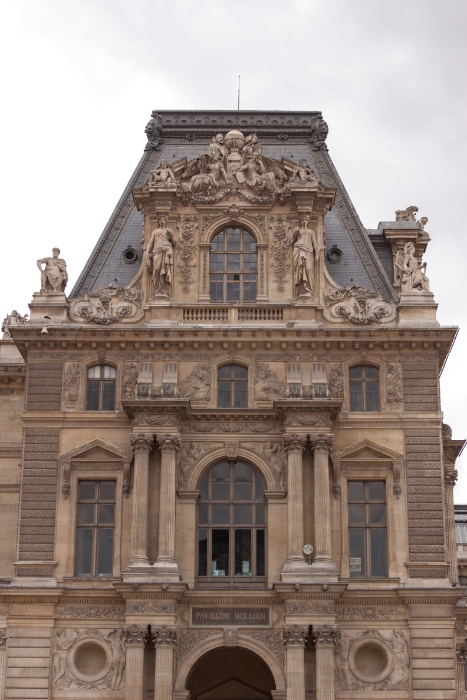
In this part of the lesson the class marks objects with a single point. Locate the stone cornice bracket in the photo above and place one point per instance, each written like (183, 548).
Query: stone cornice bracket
(164, 636)
(168, 443)
(135, 636)
(322, 442)
(326, 636)
(294, 443)
(450, 476)
(141, 442)
(294, 636)
(461, 652)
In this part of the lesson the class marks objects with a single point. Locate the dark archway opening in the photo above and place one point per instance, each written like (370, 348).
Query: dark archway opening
(230, 674)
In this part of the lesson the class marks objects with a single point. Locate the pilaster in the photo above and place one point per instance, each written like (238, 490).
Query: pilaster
(295, 565)
(165, 566)
(325, 638)
(323, 564)
(141, 444)
(165, 641)
(134, 638)
(295, 638)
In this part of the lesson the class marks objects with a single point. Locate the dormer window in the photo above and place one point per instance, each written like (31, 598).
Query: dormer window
(233, 267)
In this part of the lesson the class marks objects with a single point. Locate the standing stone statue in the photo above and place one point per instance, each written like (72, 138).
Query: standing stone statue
(412, 273)
(160, 255)
(54, 275)
(305, 252)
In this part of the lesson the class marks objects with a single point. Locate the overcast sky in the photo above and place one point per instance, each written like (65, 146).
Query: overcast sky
(80, 78)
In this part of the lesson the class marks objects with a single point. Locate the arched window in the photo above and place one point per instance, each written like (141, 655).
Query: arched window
(233, 266)
(100, 389)
(232, 386)
(231, 524)
(364, 388)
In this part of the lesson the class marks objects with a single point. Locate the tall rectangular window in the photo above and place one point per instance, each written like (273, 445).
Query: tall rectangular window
(95, 527)
(367, 528)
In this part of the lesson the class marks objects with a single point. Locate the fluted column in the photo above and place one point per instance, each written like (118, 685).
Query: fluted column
(135, 638)
(294, 446)
(450, 478)
(141, 445)
(295, 637)
(321, 446)
(325, 639)
(3, 638)
(166, 563)
(461, 653)
(165, 641)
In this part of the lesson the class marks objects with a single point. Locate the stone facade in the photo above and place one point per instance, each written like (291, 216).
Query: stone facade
(259, 331)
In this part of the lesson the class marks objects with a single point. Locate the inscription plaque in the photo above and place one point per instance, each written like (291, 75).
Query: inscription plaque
(237, 617)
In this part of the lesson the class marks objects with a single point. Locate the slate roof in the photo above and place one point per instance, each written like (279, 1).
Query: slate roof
(175, 134)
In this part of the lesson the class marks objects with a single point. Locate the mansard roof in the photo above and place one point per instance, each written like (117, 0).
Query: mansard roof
(177, 134)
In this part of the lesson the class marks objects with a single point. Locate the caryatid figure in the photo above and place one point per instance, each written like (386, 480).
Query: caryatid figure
(54, 275)
(160, 256)
(305, 252)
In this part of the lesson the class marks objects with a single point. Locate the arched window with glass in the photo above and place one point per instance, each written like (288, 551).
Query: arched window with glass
(233, 267)
(232, 386)
(231, 525)
(100, 388)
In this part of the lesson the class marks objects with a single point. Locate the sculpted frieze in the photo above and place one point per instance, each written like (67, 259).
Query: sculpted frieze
(187, 230)
(393, 382)
(370, 612)
(79, 612)
(71, 382)
(275, 456)
(189, 639)
(357, 305)
(314, 607)
(107, 305)
(187, 458)
(267, 385)
(148, 607)
(197, 386)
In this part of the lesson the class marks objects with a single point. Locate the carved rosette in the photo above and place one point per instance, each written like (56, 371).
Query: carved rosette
(140, 442)
(164, 636)
(461, 652)
(326, 636)
(169, 443)
(135, 636)
(294, 636)
(294, 443)
(322, 443)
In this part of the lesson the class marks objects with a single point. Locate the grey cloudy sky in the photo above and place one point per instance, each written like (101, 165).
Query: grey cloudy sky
(80, 78)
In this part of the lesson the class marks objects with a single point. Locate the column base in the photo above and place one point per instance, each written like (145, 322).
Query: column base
(298, 571)
(166, 570)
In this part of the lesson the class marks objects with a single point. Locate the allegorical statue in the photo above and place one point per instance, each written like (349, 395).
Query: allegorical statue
(412, 273)
(304, 174)
(160, 257)
(163, 175)
(54, 275)
(305, 252)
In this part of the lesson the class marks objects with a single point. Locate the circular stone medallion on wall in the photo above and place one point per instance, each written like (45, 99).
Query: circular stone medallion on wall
(370, 661)
(89, 660)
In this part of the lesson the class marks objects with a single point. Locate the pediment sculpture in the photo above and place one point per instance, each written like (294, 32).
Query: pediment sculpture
(107, 305)
(357, 305)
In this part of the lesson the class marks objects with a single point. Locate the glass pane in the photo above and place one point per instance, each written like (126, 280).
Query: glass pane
(105, 547)
(108, 396)
(378, 515)
(84, 551)
(220, 482)
(357, 552)
(377, 491)
(225, 394)
(249, 262)
(233, 262)
(109, 372)
(260, 554)
(378, 552)
(87, 490)
(243, 515)
(371, 372)
(240, 372)
(203, 515)
(106, 514)
(260, 515)
(372, 396)
(233, 287)
(356, 372)
(259, 487)
(92, 395)
(243, 553)
(218, 242)
(356, 491)
(85, 514)
(202, 552)
(217, 289)
(233, 239)
(220, 515)
(203, 488)
(220, 491)
(243, 487)
(357, 515)
(249, 288)
(225, 372)
(220, 553)
(249, 242)
(356, 396)
(107, 491)
(241, 394)
(216, 262)
(94, 372)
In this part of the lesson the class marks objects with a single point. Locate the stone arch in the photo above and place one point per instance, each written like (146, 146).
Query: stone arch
(217, 641)
(243, 453)
(238, 220)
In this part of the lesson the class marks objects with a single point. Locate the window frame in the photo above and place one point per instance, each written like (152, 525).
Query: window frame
(364, 381)
(101, 384)
(232, 380)
(232, 580)
(95, 526)
(225, 272)
(367, 526)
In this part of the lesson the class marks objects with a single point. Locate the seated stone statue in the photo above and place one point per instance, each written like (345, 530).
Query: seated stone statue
(163, 175)
(304, 174)
(54, 275)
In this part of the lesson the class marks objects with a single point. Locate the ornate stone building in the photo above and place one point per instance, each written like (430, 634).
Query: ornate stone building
(224, 471)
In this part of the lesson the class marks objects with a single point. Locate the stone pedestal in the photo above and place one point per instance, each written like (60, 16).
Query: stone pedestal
(135, 641)
(141, 444)
(295, 637)
(52, 304)
(165, 566)
(323, 564)
(325, 638)
(295, 566)
(165, 639)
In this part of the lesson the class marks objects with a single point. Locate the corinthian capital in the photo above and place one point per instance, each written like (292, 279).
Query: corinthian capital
(140, 442)
(134, 636)
(322, 443)
(294, 443)
(3, 637)
(164, 636)
(168, 443)
(294, 635)
(450, 476)
(461, 651)
(325, 635)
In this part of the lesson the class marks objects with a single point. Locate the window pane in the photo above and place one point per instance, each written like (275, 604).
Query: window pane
(357, 552)
(106, 514)
(249, 289)
(356, 396)
(243, 553)
(372, 396)
(378, 515)
(376, 491)
(249, 242)
(92, 395)
(220, 482)
(356, 491)
(259, 487)
(220, 553)
(260, 515)
(240, 372)
(241, 394)
(218, 242)
(260, 558)
(233, 287)
(243, 515)
(87, 490)
(94, 372)
(225, 372)
(85, 514)
(249, 262)
(371, 372)
(220, 515)
(378, 552)
(225, 394)
(84, 551)
(233, 239)
(108, 396)
(357, 515)
(233, 262)
(203, 487)
(105, 544)
(217, 288)
(356, 372)
(216, 262)
(243, 487)
(202, 552)
(203, 515)
(107, 491)
(109, 372)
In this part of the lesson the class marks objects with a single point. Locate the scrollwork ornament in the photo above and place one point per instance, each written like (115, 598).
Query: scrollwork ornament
(322, 443)
(169, 443)
(134, 635)
(294, 443)
(325, 635)
(140, 442)
(294, 635)
(164, 636)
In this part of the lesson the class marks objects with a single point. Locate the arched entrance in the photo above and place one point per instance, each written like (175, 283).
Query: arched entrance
(230, 674)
